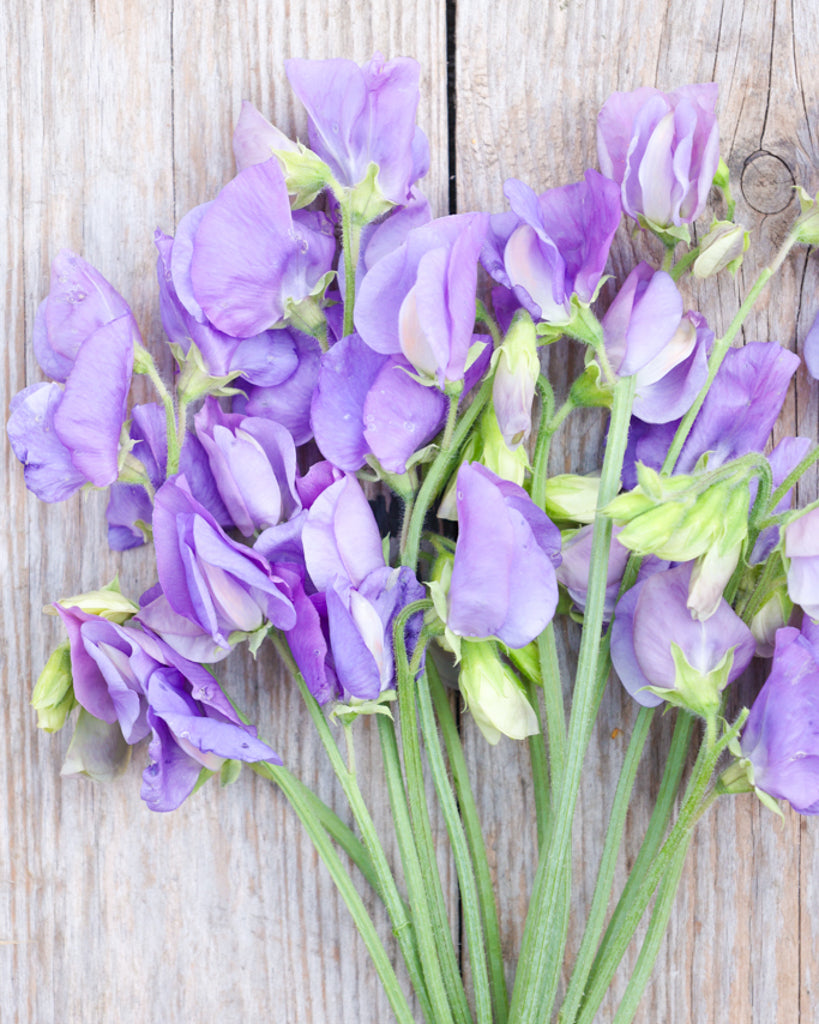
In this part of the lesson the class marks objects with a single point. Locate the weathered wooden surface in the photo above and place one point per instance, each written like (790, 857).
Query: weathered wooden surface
(117, 119)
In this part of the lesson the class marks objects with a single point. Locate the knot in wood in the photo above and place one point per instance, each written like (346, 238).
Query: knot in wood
(767, 182)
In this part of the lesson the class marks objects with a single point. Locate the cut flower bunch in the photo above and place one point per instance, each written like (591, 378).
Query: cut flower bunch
(327, 333)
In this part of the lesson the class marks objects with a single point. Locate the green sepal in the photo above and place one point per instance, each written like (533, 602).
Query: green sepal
(527, 661)
(695, 691)
(202, 778)
(668, 234)
(195, 380)
(305, 174)
(365, 201)
(588, 393)
(229, 772)
(348, 712)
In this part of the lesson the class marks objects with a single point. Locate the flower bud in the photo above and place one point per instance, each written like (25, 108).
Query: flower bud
(496, 454)
(53, 696)
(109, 603)
(723, 246)
(305, 174)
(806, 228)
(773, 615)
(571, 498)
(494, 695)
(516, 371)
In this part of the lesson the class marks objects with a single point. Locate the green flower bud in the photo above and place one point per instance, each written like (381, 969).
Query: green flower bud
(723, 246)
(571, 498)
(97, 749)
(517, 368)
(53, 695)
(109, 603)
(494, 695)
(496, 455)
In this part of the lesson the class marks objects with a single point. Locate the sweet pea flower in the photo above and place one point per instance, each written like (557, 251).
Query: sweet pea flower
(780, 742)
(217, 584)
(663, 151)
(126, 676)
(130, 504)
(493, 695)
(651, 620)
(736, 417)
(419, 299)
(363, 115)
(67, 434)
(802, 551)
(253, 461)
(253, 258)
(503, 578)
(646, 336)
(367, 403)
(553, 246)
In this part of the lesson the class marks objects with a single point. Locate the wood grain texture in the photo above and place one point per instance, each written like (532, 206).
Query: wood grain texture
(530, 79)
(118, 119)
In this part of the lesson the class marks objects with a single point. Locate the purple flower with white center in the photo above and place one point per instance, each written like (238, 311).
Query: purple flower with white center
(253, 461)
(503, 578)
(802, 551)
(553, 246)
(419, 300)
(253, 258)
(367, 403)
(662, 149)
(363, 115)
(647, 336)
(287, 402)
(67, 436)
(220, 586)
(780, 741)
(736, 417)
(267, 358)
(130, 503)
(125, 675)
(652, 617)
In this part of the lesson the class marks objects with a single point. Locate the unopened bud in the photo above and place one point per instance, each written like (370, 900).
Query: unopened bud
(53, 695)
(493, 694)
(723, 246)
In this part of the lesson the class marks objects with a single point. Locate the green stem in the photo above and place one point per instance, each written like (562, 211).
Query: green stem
(668, 256)
(619, 934)
(439, 472)
(474, 837)
(540, 771)
(421, 914)
(608, 862)
(470, 903)
(330, 821)
(683, 263)
(720, 350)
(419, 813)
(545, 935)
(355, 905)
(351, 240)
(553, 702)
(792, 478)
(395, 906)
(540, 462)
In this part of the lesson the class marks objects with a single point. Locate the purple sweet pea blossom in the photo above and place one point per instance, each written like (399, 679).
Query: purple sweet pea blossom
(555, 245)
(125, 675)
(129, 503)
(652, 615)
(267, 358)
(781, 736)
(366, 403)
(647, 336)
(69, 435)
(419, 299)
(362, 115)
(220, 586)
(662, 149)
(736, 417)
(252, 256)
(503, 578)
(255, 138)
(253, 461)
(802, 550)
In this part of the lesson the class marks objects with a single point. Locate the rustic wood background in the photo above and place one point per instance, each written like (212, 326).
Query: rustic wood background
(118, 118)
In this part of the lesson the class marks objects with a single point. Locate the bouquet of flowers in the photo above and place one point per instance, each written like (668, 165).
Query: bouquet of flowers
(333, 341)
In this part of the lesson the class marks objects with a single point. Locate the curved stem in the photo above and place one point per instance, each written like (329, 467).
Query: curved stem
(793, 477)
(355, 905)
